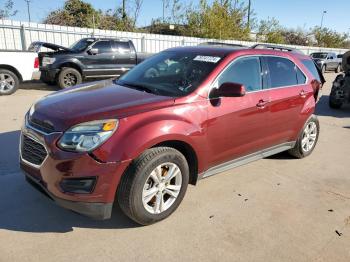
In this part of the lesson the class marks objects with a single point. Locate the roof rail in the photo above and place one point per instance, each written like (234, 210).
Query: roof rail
(276, 47)
(221, 44)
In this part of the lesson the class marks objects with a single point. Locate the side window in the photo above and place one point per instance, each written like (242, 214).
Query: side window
(103, 47)
(122, 47)
(246, 71)
(300, 76)
(310, 65)
(282, 72)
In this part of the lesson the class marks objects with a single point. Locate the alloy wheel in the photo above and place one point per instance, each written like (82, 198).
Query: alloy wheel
(309, 137)
(70, 79)
(162, 188)
(7, 83)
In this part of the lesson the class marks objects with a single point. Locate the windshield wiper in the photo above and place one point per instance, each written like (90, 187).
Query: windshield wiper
(137, 86)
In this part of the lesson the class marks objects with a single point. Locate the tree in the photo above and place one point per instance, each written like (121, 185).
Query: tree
(219, 20)
(326, 37)
(296, 37)
(270, 31)
(7, 11)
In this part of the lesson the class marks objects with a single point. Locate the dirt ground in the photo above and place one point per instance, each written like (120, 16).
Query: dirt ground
(276, 209)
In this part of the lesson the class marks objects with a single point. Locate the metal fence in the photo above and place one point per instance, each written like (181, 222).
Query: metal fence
(16, 35)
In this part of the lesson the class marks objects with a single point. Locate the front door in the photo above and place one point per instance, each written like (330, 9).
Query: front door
(237, 126)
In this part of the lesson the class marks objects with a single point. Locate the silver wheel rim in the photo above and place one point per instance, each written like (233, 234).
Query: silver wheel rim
(7, 83)
(162, 188)
(70, 79)
(309, 137)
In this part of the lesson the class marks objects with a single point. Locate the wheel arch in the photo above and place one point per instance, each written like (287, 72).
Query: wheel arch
(13, 70)
(71, 65)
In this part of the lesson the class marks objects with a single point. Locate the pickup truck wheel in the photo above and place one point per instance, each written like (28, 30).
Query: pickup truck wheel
(154, 185)
(307, 139)
(9, 82)
(338, 69)
(69, 77)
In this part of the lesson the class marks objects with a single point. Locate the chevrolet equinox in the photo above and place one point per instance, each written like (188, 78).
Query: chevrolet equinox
(182, 115)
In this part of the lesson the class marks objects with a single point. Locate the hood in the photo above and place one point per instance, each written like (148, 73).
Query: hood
(35, 46)
(94, 101)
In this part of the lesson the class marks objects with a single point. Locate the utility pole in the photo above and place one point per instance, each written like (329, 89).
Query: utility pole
(124, 13)
(28, 3)
(163, 11)
(249, 8)
(323, 14)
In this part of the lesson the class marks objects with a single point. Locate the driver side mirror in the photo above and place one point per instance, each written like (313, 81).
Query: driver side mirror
(228, 89)
(93, 51)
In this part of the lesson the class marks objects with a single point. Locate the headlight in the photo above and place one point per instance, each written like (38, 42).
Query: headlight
(88, 136)
(48, 61)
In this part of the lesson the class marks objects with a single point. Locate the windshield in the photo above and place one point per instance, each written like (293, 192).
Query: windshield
(319, 55)
(171, 73)
(82, 44)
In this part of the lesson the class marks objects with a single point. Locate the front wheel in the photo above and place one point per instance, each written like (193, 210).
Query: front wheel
(307, 139)
(338, 69)
(154, 185)
(69, 77)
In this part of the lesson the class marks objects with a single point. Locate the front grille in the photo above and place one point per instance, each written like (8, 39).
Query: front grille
(32, 151)
(41, 125)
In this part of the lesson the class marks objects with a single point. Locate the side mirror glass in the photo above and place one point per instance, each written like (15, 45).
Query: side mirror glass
(228, 89)
(93, 51)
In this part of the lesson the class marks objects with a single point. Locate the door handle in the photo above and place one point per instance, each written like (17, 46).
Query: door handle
(302, 94)
(262, 103)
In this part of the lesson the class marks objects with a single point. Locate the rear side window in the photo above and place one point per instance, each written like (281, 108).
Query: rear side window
(122, 47)
(246, 71)
(282, 72)
(300, 76)
(103, 47)
(310, 65)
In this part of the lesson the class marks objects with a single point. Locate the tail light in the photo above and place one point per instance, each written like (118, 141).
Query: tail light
(36, 62)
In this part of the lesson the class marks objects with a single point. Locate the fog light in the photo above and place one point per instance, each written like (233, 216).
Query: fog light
(79, 185)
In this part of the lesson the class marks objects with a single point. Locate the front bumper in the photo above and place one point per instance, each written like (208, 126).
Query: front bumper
(61, 166)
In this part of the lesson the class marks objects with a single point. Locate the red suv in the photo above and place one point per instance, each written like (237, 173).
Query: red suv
(180, 116)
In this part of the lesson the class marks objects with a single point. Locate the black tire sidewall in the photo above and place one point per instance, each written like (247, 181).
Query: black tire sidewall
(142, 216)
(314, 119)
(14, 76)
(66, 71)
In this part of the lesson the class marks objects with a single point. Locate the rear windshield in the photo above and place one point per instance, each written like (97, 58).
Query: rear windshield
(319, 55)
(171, 73)
(339, 56)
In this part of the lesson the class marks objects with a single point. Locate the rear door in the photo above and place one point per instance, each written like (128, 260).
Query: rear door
(101, 64)
(124, 59)
(288, 90)
(237, 126)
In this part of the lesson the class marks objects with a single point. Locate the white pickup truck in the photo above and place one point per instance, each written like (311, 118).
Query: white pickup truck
(17, 67)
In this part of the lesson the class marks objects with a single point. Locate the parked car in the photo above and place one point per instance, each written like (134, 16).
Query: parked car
(327, 61)
(87, 58)
(180, 116)
(17, 67)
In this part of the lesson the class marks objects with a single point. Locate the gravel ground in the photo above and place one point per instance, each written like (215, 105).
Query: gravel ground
(276, 209)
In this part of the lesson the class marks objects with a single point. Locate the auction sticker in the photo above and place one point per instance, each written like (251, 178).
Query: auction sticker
(208, 59)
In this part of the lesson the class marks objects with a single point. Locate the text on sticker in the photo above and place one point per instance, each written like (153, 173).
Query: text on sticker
(208, 59)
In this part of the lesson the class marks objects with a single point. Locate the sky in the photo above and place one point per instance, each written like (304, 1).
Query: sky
(290, 13)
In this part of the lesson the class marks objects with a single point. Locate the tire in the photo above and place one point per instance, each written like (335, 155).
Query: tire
(69, 77)
(333, 102)
(133, 193)
(323, 69)
(300, 150)
(338, 69)
(9, 82)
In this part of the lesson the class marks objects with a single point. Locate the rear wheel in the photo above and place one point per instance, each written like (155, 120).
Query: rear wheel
(307, 139)
(9, 82)
(69, 77)
(154, 185)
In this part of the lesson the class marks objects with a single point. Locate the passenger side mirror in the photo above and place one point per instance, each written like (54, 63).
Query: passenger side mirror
(93, 51)
(228, 89)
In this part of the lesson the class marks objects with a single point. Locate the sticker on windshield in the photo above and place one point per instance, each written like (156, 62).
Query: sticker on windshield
(208, 59)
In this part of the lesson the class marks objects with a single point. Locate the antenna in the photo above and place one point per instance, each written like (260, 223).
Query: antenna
(28, 3)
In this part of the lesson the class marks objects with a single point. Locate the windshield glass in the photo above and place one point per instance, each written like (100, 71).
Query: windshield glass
(171, 73)
(81, 45)
(319, 55)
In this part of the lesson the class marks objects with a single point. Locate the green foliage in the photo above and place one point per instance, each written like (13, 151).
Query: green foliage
(7, 11)
(219, 20)
(80, 14)
(326, 37)
(270, 31)
(296, 37)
